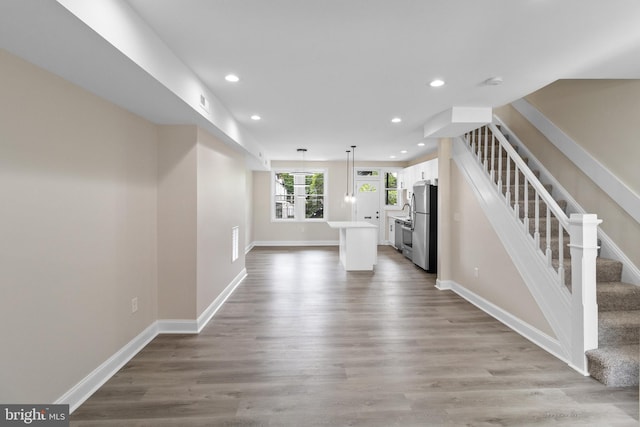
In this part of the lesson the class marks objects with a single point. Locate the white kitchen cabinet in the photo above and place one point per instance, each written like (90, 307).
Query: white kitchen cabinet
(401, 180)
(422, 171)
(392, 231)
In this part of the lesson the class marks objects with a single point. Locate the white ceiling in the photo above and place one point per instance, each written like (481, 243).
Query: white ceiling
(327, 74)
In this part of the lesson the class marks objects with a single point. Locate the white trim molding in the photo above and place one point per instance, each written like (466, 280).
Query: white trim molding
(630, 272)
(177, 326)
(590, 166)
(80, 392)
(539, 338)
(554, 301)
(92, 382)
(213, 308)
(296, 243)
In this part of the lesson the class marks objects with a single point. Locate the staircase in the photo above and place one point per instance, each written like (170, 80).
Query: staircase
(616, 360)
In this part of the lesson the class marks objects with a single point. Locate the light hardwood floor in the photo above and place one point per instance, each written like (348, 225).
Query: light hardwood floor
(301, 342)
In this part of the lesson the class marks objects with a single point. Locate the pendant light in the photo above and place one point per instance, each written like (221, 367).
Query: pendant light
(300, 176)
(302, 171)
(353, 161)
(347, 198)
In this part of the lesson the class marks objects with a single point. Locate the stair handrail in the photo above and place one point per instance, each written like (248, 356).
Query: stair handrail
(533, 180)
(580, 228)
(483, 146)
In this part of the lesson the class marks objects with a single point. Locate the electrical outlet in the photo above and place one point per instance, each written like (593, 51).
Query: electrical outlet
(476, 272)
(134, 304)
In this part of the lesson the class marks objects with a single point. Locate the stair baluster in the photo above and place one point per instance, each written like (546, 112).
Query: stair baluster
(478, 141)
(508, 193)
(516, 201)
(485, 151)
(526, 205)
(561, 281)
(493, 157)
(536, 232)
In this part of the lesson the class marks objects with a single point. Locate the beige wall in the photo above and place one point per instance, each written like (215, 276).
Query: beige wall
(602, 116)
(248, 202)
(474, 244)
(425, 158)
(336, 209)
(264, 230)
(177, 228)
(99, 206)
(77, 231)
(599, 116)
(220, 191)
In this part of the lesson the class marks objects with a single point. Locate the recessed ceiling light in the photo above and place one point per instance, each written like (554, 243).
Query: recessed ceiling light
(232, 78)
(403, 151)
(420, 144)
(396, 120)
(436, 83)
(256, 117)
(392, 157)
(493, 81)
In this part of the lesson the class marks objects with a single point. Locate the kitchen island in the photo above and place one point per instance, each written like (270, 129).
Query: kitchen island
(358, 244)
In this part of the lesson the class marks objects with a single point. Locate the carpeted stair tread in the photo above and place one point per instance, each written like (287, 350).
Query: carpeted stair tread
(542, 209)
(542, 225)
(615, 366)
(618, 327)
(531, 194)
(607, 270)
(512, 176)
(614, 296)
(553, 245)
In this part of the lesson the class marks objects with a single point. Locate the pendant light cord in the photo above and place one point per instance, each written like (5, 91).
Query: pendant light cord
(353, 161)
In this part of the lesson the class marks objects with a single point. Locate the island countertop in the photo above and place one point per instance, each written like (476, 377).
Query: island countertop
(351, 224)
(358, 244)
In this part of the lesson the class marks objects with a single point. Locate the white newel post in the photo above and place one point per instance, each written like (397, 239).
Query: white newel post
(583, 229)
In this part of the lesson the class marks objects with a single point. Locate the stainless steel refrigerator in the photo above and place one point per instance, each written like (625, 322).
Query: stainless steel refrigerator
(424, 222)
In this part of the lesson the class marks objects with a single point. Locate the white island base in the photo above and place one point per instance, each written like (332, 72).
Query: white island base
(358, 244)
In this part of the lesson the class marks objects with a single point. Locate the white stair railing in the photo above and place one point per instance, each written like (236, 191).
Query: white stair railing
(549, 231)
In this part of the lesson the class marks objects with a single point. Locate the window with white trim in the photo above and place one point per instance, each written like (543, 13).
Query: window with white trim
(298, 196)
(391, 189)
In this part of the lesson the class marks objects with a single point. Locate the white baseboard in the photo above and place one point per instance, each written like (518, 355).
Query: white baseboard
(92, 382)
(296, 243)
(206, 315)
(539, 338)
(541, 280)
(630, 272)
(249, 247)
(177, 326)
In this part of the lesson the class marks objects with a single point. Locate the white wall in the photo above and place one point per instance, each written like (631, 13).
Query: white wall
(77, 231)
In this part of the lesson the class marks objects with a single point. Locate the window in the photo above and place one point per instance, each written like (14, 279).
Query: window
(298, 197)
(391, 188)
